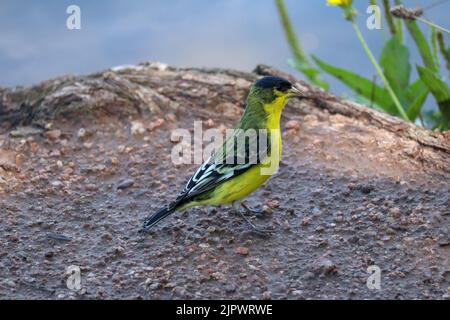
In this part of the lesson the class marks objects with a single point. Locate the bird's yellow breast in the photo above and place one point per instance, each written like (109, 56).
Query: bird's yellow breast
(244, 184)
(273, 123)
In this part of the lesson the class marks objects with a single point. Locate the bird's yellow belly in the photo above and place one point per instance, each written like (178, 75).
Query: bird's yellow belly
(239, 187)
(244, 184)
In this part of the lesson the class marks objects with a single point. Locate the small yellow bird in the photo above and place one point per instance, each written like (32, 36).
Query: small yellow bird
(221, 181)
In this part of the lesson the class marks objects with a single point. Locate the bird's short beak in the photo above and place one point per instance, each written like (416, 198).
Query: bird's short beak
(294, 92)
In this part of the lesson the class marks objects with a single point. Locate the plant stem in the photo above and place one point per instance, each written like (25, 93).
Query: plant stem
(444, 51)
(399, 24)
(380, 72)
(389, 19)
(431, 24)
(435, 47)
(422, 44)
(297, 50)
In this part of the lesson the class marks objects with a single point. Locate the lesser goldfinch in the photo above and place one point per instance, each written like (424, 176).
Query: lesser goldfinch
(220, 181)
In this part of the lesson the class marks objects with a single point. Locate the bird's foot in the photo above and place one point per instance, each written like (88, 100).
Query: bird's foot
(257, 212)
(257, 230)
(263, 233)
(142, 231)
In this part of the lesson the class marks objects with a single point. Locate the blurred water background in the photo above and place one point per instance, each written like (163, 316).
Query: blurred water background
(36, 45)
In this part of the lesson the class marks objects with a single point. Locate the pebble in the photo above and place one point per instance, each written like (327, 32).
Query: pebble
(137, 128)
(180, 291)
(53, 134)
(24, 131)
(9, 283)
(67, 171)
(7, 160)
(155, 124)
(119, 251)
(242, 250)
(316, 212)
(230, 288)
(273, 204)
(124, 184)
(55, 153)
(210, 123)
(266, 209)
(218, 276)
(56, 184)
(324, 266)
(154, 286)
(292, 124)
(81, 133)
(305, 222)
(107, 236)
(308, 275)
(267, 295)
(91, 187)
(58, 236)
(99, 167)
(211, 229)
(320, 229)
(171, 117)
(395, 212)
(297, 293)
(114, 161)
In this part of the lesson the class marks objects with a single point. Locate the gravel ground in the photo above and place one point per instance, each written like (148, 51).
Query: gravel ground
(344, 199)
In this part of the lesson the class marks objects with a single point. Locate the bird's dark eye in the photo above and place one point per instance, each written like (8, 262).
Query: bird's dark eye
(283, 87)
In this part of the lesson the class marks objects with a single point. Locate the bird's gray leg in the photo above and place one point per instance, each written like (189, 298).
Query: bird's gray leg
(237, 206)
(258, 212)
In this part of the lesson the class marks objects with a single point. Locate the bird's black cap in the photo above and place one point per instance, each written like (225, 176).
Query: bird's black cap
(274, 82)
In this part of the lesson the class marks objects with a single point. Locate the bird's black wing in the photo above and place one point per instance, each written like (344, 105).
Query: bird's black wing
(224, 165)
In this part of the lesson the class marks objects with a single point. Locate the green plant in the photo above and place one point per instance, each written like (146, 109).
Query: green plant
(301, 61)
(430, 74)
(398, 95)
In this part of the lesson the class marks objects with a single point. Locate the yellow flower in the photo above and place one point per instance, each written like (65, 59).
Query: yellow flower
(341, 3)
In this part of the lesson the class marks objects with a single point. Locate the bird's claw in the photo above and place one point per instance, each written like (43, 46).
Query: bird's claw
(257, 212)
(253, 227)
(264, 233)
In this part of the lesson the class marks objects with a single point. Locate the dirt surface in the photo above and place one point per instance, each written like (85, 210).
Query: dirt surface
(348, 195)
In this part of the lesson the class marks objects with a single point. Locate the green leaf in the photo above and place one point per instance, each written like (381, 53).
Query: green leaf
(444, 51)
(432, 119)
(396, 68)
(360, 85)
(440, 91)
(400, 31)
(422, 44)
(417, 94)
(362, 100)
(437, 86)
(303, 64)
(309, 71)
(434, 45)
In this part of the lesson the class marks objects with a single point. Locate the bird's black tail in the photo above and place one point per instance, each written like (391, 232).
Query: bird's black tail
(153, 219)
